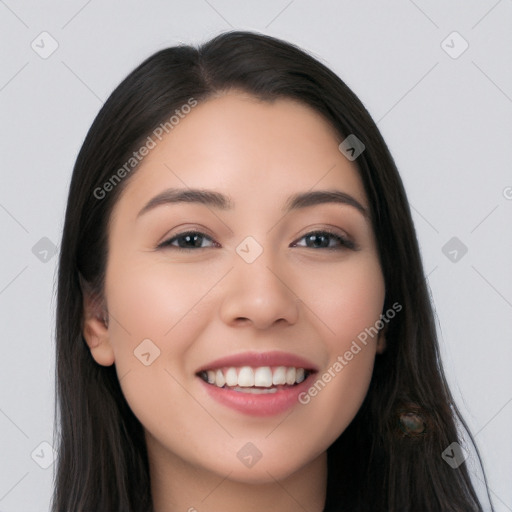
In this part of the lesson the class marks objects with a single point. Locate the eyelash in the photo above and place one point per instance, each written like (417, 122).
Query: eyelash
(344, 243)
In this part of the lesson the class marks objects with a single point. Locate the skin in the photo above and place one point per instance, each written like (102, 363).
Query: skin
(200, 304)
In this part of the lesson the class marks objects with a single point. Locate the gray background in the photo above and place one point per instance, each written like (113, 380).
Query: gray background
(446, 116)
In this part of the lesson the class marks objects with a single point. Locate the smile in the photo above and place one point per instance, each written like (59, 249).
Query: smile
(263, 379)
(257, 383)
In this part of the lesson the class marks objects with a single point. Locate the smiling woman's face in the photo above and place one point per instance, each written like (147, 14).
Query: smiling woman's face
(257, 277)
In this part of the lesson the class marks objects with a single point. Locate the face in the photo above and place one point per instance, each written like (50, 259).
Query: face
(245, 285)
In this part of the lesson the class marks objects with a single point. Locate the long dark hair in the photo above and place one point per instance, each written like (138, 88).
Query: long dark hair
(375, 464)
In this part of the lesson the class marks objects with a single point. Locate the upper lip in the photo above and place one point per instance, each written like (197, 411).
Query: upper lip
(258, 359)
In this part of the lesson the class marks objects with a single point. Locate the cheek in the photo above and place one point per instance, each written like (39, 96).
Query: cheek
(152, 299)
(157, 312)
(152, 327)
(337, 393)
(348, 304)
(346, 299)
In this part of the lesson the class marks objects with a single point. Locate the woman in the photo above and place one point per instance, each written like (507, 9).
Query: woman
(243, 320)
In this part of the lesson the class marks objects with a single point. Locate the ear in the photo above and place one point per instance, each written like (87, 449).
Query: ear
(95, 326)
(381, 340)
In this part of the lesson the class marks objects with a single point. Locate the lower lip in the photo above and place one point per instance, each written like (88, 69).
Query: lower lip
(264, 404)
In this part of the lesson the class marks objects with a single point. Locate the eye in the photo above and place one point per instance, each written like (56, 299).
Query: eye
(187, 240)
(321, 239)
(326, 240)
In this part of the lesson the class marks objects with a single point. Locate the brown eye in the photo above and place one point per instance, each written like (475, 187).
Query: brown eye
(325, 240)
(186, 240)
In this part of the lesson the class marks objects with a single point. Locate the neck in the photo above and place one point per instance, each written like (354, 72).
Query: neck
(178, 486)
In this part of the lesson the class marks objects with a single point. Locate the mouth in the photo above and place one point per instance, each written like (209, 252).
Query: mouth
(255, 380)
(257, 384)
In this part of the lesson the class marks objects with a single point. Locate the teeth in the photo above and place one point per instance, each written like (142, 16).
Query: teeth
(219, 378)
(263, 377)
(279, 376)
(245, 377)
(251, 380)
(231, 377)
(291, 373)
(256, 391)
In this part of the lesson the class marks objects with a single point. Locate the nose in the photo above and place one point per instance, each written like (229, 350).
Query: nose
(259, 294)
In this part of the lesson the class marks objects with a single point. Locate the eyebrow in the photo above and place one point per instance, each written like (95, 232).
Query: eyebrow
(219, 201)
(305, 199)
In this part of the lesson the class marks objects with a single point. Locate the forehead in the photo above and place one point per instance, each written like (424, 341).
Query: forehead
(242, 146)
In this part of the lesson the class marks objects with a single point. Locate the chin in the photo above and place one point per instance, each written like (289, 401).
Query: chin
(266, 470)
